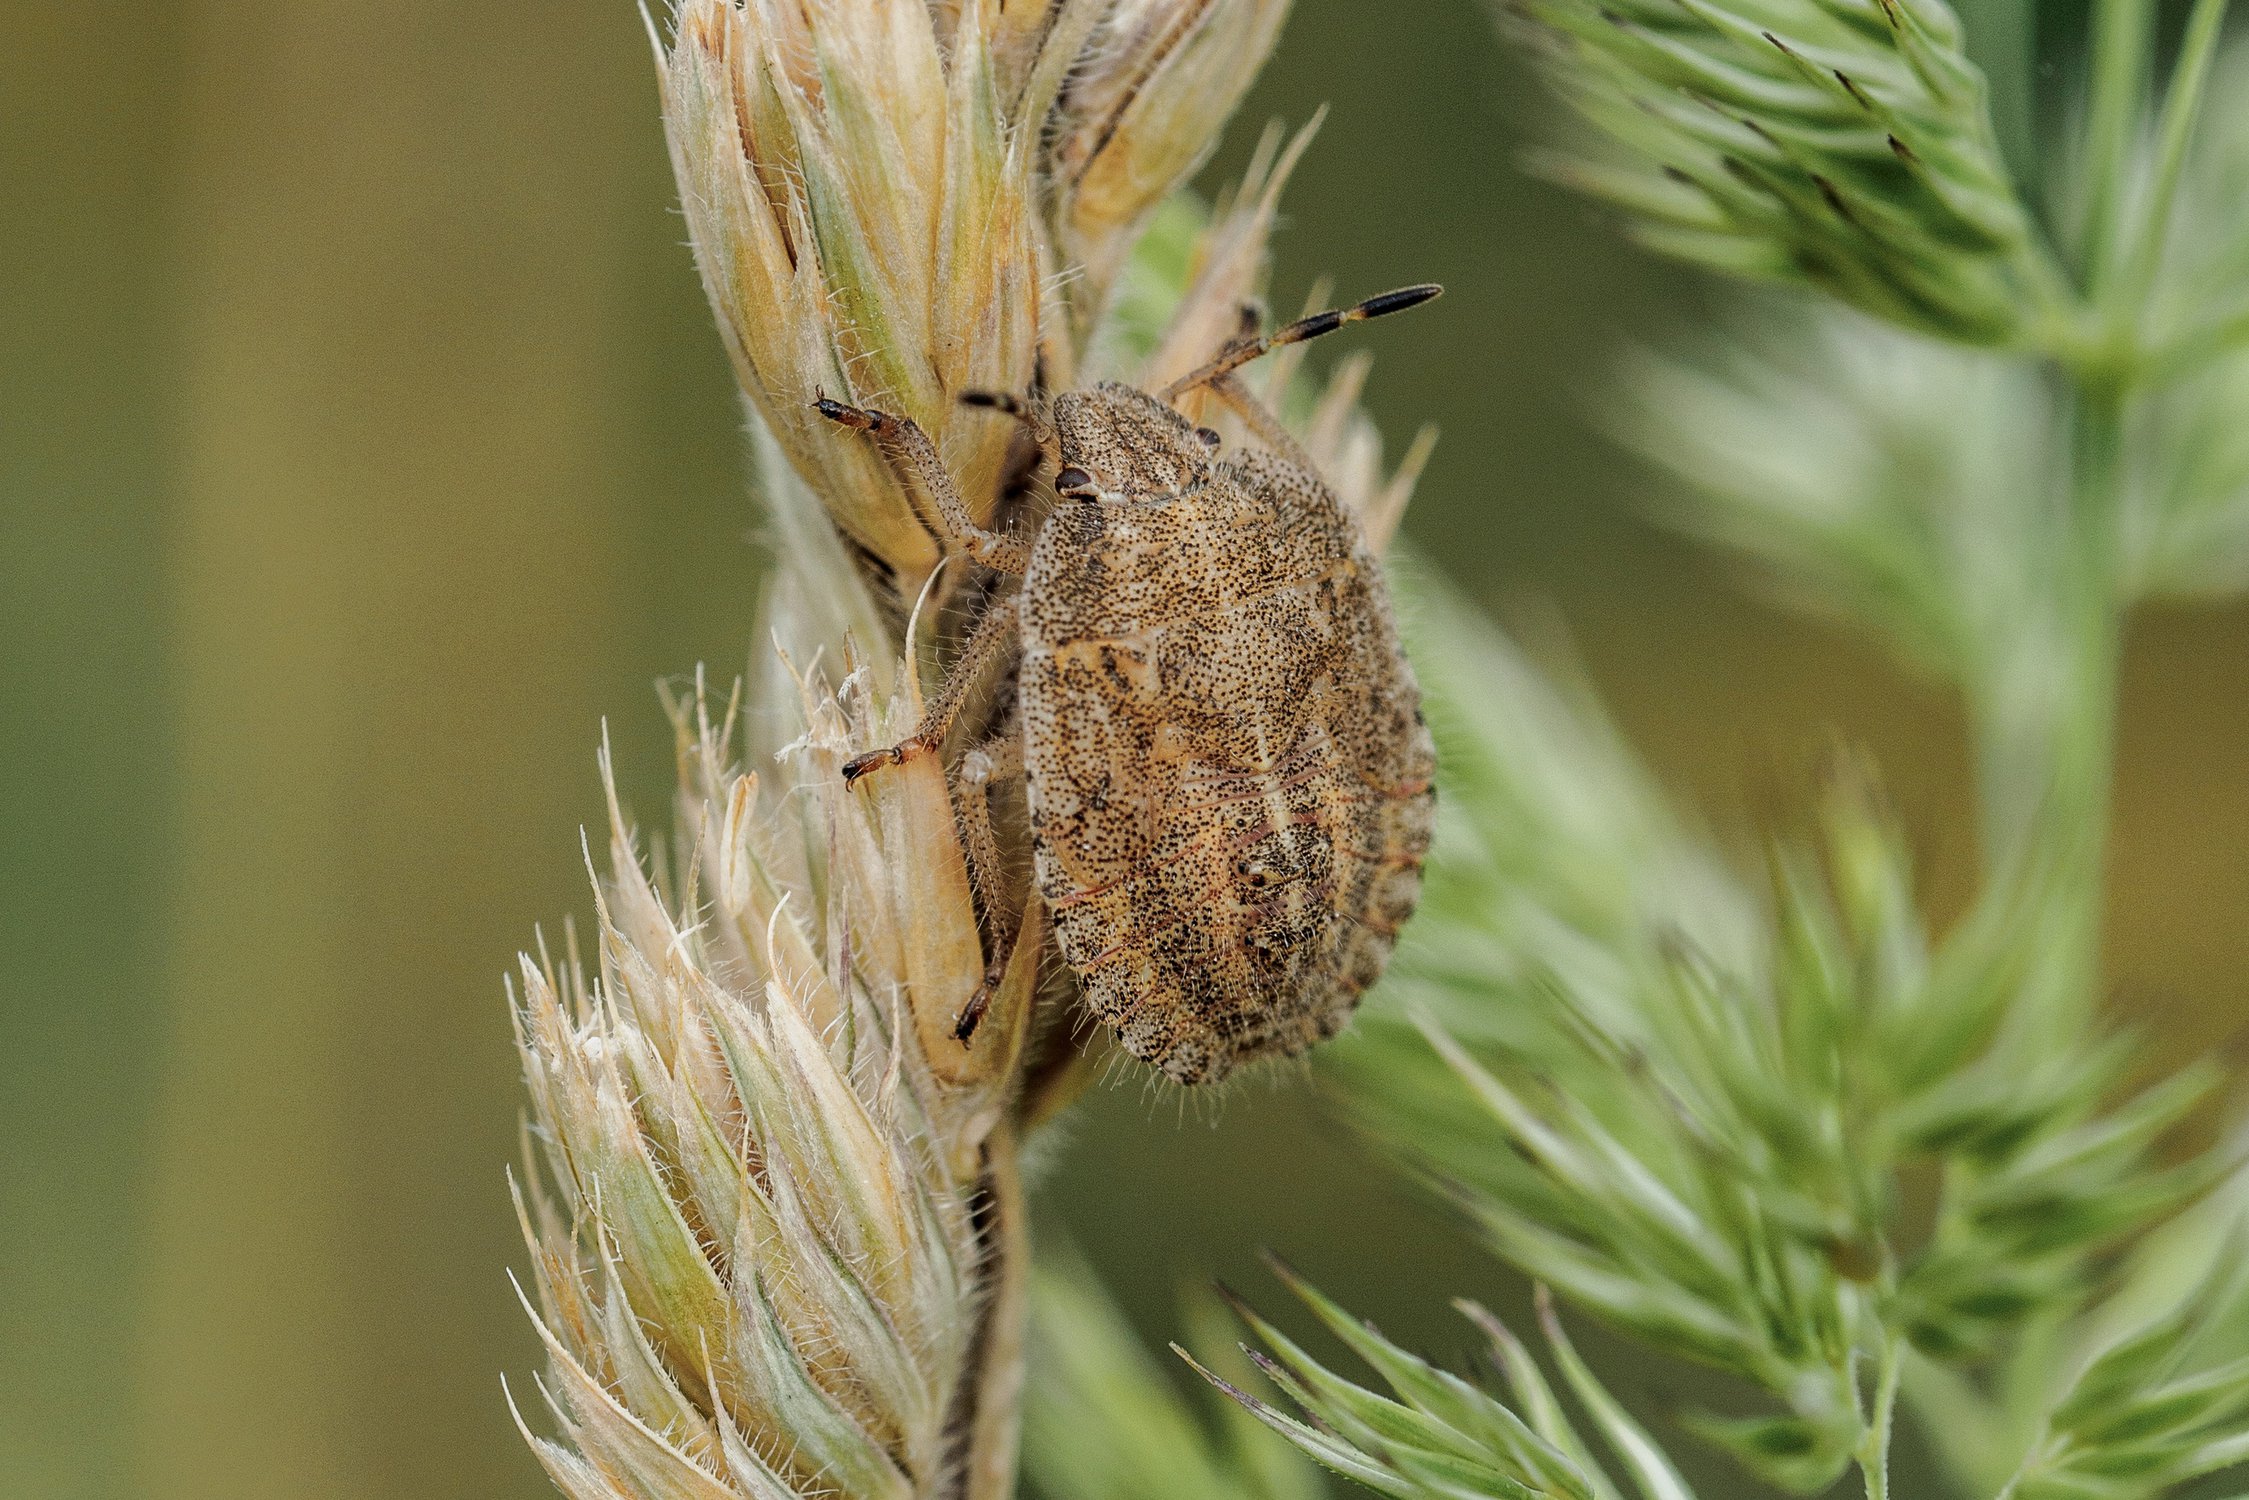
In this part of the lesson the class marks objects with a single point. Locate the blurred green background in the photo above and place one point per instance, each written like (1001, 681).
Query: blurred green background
(364, 443)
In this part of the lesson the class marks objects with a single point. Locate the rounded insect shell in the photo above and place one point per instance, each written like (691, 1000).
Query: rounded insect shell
(1229, 776)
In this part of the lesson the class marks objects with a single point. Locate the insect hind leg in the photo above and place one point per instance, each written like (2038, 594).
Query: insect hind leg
(994, 762)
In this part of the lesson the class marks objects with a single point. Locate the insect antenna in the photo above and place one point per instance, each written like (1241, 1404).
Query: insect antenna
(1024, 409)
(1028, 410)
(1250, 346)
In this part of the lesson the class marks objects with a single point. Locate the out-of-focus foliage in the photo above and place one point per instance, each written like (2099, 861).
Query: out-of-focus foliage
(1905, 485)
(1844, 143)
(1102, 1421)
(1435, 1433)
(1705, 1141)
(1557, 853)
(1991, 1423)
(1430, 1431)
(1919, 490)
(1808, 1153)
(2150, 1410)
(2189, 518)
(1792, 1130)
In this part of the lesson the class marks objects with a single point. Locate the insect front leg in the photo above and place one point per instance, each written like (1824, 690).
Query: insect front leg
(915, 460)
(994, 638)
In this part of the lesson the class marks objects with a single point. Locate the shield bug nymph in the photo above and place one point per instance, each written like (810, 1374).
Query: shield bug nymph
(1226, 769)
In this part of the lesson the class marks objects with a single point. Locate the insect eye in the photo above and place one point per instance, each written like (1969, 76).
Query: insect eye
(1074, 481)
(1208, 438)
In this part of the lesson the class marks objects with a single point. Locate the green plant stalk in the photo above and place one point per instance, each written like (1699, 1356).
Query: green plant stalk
(2085, 745)
(2122, 31)
(2053, 826)
(1874, 1448)
(2063, 823)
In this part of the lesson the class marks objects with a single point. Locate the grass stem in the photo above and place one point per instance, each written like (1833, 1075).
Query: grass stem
(2122, 30)
(1874, 1447)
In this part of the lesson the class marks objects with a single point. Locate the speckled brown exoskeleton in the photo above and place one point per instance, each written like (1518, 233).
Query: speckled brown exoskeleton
(1225, 764)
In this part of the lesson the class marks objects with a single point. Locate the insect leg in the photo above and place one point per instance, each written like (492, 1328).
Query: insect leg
(994, 636)
(1240, 351)
(1259, 419)
(994, 762)
(915, 460)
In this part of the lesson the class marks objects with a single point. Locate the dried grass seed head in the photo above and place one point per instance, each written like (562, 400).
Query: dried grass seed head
(882, 198)
(760, 1259)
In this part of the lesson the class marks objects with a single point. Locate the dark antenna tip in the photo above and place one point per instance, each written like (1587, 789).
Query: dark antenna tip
(1401, 299)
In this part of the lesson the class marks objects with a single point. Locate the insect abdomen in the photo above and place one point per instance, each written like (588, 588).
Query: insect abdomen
(1229, 806)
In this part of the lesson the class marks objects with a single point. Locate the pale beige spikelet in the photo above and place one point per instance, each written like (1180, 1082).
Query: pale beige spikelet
(883, 198)
(1140, 114)
(1229, 263)
(860, 206)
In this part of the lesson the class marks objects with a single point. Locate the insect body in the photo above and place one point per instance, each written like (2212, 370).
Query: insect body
(1227, 772)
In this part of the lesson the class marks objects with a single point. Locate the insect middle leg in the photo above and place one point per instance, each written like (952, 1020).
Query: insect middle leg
(915, 460)
(994, 637)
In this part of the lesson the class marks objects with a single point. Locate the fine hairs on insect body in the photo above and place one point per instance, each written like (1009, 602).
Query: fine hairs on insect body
(1220, 740)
